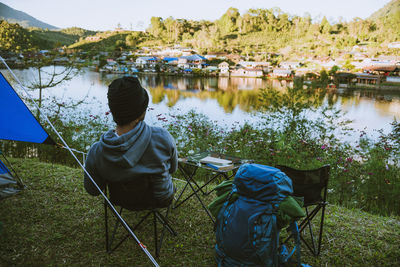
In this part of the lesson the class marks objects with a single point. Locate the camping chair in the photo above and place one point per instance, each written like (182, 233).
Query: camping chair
(10, 183)
(312, 185)
(134, 196)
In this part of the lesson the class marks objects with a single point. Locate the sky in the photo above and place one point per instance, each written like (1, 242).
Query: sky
(101, 15)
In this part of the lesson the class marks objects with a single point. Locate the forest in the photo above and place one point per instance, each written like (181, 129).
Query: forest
(254, 32)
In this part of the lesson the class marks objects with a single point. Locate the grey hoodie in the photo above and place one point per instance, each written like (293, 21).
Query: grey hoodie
(142, 151)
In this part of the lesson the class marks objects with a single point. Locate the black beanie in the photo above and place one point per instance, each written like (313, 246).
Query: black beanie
(127, 99)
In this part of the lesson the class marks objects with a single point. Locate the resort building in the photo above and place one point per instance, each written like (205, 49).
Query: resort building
(281, 73)
(146, 61)
(394, 45)
(254, 64)
(192, 61)
(246, 72)
(289, 65)
(223, 68)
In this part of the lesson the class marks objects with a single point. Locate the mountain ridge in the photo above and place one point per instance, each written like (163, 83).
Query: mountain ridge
(25, 20)
(389, 9)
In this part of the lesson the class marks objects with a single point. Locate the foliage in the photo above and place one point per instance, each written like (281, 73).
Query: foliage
(108, 41)
(253, 32)
(289, 132)
(391, 8)
(290, 107)
(49, 75)
(13, 37)
(366, 178)
(78, 31)
(272, 29)
(50, 39)
(133, 39)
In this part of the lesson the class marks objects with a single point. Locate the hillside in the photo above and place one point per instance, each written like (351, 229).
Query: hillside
(48, 39)
(390, 9)
(55, 222)
(22, 18)
(260, 30)
(14, 38)
(106, 41)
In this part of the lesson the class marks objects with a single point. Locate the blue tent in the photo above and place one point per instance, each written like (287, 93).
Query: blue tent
(10, 183)
(18, 123)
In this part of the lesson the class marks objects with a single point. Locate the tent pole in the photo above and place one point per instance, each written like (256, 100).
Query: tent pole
(126, 226)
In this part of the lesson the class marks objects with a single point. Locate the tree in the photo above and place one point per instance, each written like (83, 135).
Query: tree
(333, 70)
(173, 29)
(13, 37)
(348, 65)
(227, 23)
(325, 27)
(202, 39)
(156, 26)
(120, 45)
(289, 110)
(49, 75)
(324, 78)
(132, 39)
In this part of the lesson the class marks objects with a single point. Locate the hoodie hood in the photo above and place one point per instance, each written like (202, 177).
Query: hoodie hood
(126, 150)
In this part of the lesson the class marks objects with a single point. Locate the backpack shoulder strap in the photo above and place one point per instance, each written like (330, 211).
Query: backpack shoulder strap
(284, 254)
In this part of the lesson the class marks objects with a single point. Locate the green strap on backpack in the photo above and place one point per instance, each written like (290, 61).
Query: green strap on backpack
(289, 209)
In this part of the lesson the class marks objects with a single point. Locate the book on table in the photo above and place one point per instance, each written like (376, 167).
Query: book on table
(216, 161)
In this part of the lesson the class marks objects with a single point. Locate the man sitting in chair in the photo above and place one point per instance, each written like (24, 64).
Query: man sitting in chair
(134, 149)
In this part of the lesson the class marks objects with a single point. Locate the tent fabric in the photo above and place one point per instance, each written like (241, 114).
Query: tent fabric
(8, 184)
(3, 168)
(17, 123)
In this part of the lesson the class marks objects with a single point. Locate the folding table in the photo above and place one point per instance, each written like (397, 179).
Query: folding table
(189, 167)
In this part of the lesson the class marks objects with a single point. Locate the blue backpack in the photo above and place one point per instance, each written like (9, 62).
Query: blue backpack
(246, 229)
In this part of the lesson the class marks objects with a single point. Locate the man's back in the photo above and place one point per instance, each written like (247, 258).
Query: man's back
(133, 150)
(143, 151)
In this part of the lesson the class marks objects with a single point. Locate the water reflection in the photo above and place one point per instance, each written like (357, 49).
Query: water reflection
(226, 84)
(224, 99)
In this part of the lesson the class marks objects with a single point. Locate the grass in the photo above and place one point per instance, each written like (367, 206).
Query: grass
(55, 222)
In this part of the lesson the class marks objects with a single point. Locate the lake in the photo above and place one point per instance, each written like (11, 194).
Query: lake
(226, 100)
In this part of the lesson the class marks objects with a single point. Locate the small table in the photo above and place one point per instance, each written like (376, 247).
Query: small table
(189, 166)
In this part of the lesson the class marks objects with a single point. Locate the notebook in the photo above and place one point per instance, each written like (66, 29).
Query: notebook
(215, 161)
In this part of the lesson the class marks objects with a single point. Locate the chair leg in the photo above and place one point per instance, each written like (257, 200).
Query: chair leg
(109, 240)
(165, 222)
(315, 250)
(166, 225)
(311, 233)
(157, 216)
(106, 225)
(155, 234)
(321, 230)
(132, 228)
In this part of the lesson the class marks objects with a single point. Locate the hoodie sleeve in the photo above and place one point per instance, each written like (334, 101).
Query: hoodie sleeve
(90, 167)
(174, 155)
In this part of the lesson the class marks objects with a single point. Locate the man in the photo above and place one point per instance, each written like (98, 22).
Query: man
(134, 149)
